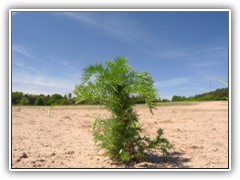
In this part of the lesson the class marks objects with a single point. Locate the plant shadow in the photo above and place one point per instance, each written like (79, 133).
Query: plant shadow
(173, 160)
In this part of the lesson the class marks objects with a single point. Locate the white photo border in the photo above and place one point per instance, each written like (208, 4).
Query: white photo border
(121, 10)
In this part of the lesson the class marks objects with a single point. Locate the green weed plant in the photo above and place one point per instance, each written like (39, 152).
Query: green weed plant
(114, 85)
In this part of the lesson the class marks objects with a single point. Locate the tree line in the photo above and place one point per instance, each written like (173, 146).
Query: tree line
(19, 98)
(218, 94)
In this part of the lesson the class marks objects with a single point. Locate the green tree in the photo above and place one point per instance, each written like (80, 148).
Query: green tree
(55, 99)
(165, 100)
(178, 98)
(16, 98)
(39, 101)
(31, 98)
(63, 101)
(114, 85)
(24, 101)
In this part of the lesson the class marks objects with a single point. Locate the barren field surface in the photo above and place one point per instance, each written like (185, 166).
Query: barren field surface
(63, 138)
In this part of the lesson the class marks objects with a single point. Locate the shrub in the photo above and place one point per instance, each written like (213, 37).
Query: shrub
(115, 85)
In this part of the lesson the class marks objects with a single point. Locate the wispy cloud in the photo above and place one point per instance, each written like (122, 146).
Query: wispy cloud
(44, 82)
(44, 62)
(67, 64)
(39, 76)
(118, 27)
(23, 50)
(34, 89)
(197, 56)
(171, 82)
(191, 51)
(19, 64)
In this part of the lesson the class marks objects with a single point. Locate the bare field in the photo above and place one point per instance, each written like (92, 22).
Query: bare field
(198, 131)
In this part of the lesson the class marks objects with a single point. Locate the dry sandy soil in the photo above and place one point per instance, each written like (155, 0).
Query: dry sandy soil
(198, 131)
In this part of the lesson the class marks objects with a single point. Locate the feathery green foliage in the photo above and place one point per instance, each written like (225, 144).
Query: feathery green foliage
(114, 85)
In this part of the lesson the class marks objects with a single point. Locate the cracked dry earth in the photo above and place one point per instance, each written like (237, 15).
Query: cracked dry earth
(198, 131)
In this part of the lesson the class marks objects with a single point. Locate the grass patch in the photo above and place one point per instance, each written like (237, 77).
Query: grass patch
(181, 103)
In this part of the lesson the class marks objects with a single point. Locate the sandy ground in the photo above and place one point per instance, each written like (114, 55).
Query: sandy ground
(198, 131)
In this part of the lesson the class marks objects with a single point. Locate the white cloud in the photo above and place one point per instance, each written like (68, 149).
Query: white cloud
(196, 55)
(171, 82)
(28, 83)
(22, 50)
(32, 77)
(118, 27)
(19, 64)
(63, 62)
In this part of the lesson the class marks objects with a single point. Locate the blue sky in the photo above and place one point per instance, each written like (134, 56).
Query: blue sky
(181, 50)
